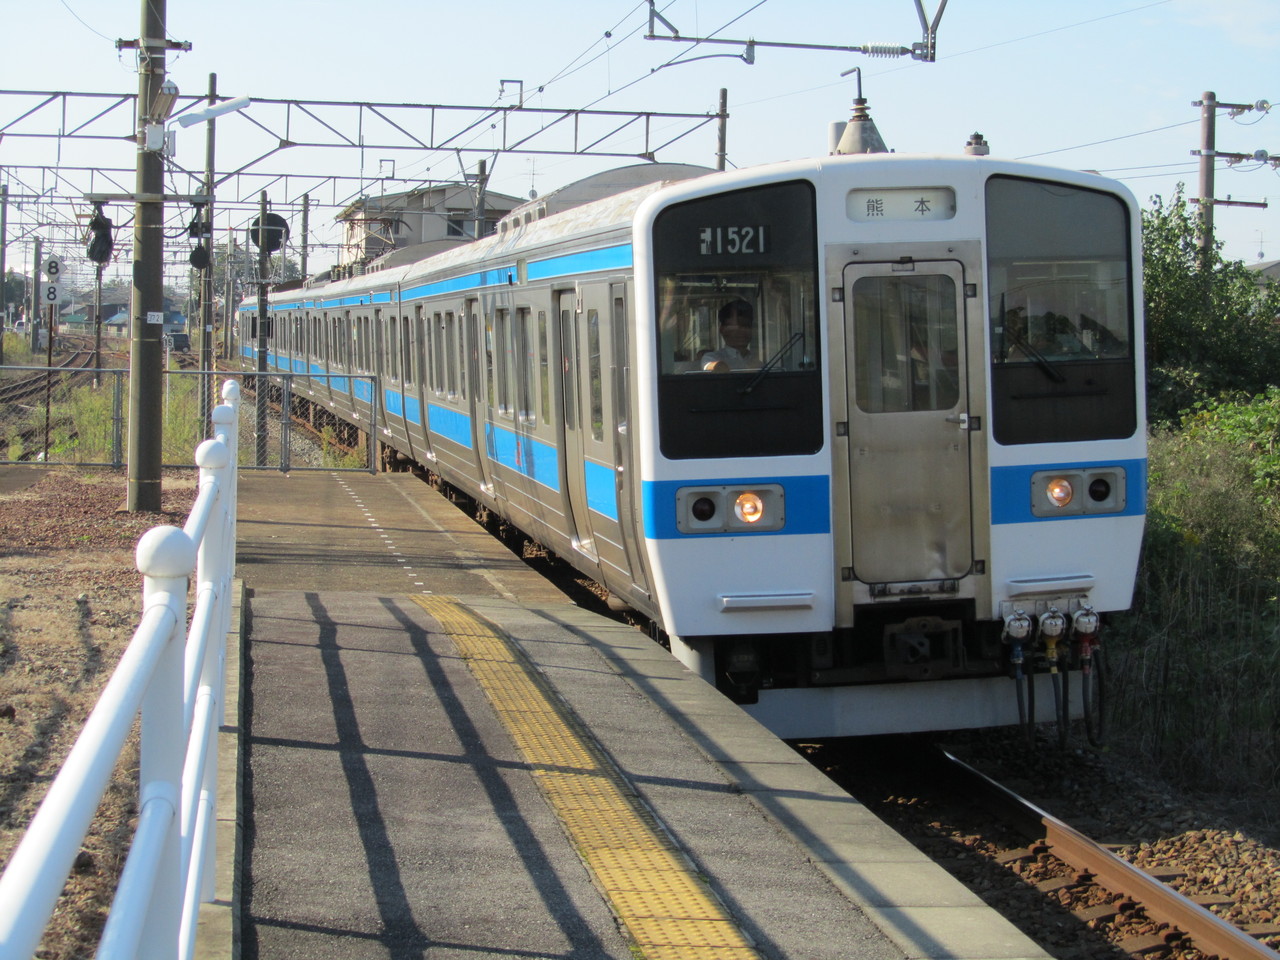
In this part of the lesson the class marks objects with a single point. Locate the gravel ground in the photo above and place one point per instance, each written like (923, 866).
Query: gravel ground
(70, 599)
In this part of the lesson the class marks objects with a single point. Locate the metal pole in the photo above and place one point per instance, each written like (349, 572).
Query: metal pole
(33, 305)
(260, 384)
(229, 312)
(482, 179)
(206, 297)
(1208, 119)
(723, 128)
(306, 209)
(97, 323)
(147, 323)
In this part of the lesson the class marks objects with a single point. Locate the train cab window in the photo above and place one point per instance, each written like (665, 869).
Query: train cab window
(1060, 300)
(907, 343)
(737, 324)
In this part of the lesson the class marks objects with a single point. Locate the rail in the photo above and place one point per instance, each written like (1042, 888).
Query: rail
(1207, 931)
(177, 687)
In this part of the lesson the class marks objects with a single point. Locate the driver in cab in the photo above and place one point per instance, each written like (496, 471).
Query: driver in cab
(737, 329)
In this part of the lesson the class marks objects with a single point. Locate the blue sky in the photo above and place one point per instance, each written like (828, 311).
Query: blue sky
(1086, 84)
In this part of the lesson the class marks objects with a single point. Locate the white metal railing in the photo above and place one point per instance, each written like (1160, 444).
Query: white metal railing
(178, 688)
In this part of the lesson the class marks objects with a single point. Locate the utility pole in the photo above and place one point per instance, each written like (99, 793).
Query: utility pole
(1208, 126)
(722, 129)
(1208, 153)
(147, 323)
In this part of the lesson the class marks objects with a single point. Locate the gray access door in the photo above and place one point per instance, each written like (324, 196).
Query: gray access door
(908, 421)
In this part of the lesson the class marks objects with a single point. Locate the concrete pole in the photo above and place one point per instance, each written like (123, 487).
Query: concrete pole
(1208, 121)
(722, 129)
(145, 357)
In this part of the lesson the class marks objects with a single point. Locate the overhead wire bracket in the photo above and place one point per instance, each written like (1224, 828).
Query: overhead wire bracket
(925, 50)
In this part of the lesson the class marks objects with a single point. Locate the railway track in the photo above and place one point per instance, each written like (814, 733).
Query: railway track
(31, 384)
(1076, 896)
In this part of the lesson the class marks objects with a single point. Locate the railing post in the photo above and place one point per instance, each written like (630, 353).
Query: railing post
(153, 872)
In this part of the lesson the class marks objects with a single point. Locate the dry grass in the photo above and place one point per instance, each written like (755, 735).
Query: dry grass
(69, 603)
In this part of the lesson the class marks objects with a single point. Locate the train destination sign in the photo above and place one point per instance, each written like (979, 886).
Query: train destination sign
(901, 203)
(732, 240)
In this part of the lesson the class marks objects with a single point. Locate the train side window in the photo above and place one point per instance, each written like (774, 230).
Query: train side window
(468, 328)
(595, 373)
(620, 360)
(451, 353)
(416, 347)
(544, 368)
(392, 360)
(491, 375)
(506, 363)
(524, 367)
(437, 354)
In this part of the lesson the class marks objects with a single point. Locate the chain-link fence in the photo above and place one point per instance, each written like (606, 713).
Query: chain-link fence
(80, 417)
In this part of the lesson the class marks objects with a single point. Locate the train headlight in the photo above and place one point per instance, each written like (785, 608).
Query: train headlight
(1073, 492)
(1059, 491)
(727, 508)
(748, 507)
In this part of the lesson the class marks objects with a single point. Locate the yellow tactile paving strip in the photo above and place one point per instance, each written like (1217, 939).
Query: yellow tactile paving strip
(669, 913)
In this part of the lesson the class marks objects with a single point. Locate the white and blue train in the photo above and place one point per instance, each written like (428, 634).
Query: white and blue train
(862, 436)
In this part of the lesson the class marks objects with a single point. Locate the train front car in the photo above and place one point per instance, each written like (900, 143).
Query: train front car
(892, 430)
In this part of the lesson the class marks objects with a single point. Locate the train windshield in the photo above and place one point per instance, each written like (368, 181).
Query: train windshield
(737, 324)
(1060, 299)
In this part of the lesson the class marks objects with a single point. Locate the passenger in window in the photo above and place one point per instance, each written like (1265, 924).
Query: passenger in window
(737, 331)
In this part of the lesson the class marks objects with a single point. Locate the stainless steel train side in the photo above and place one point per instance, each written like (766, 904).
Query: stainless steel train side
(924, 464)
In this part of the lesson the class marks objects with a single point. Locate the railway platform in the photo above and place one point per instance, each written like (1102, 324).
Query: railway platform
(443, 757)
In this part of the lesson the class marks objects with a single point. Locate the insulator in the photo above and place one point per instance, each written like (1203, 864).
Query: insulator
(1017, 626)
(1085, 622)
(884, 50)
(1053, 623)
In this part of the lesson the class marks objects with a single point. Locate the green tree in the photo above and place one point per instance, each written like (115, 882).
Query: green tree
(1211, 326)
(14, 290)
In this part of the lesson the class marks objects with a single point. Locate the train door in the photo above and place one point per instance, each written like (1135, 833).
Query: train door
(909, 424)
(422, 353)
(632, 532)
(475, 333)
(576, 419)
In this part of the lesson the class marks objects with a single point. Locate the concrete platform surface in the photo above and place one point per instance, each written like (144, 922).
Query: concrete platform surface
(390, 809)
